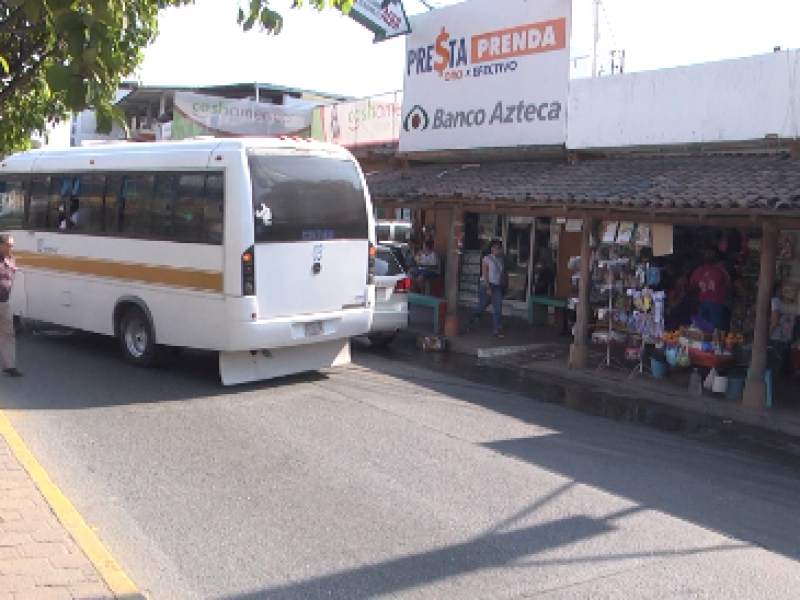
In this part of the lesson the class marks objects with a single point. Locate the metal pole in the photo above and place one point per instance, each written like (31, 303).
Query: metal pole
(256, 85)
(596, 36)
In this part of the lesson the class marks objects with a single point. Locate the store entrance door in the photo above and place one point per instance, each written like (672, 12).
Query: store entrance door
(518, 251)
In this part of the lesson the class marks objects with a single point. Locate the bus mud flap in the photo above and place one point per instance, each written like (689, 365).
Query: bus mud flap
(246, 366)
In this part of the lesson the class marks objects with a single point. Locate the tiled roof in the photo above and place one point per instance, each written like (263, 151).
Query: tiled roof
(746, 182)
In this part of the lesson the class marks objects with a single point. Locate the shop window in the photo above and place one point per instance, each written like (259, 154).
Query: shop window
(384, 233)
(517, 256)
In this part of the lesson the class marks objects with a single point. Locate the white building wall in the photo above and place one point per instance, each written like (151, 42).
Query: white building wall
(727, 101)
(83, 126)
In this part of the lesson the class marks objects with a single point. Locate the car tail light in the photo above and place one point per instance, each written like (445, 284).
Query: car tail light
(249, 272)
(403, 286)
(371, 264)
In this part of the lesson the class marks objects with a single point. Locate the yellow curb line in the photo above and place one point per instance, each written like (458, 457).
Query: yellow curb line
(116, 580)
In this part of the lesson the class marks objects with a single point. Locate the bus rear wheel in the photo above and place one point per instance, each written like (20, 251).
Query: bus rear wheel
(136, 338)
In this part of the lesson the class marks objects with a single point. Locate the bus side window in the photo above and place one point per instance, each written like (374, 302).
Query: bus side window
(164, 198)
(39, 201)
(214, 208)
(86, 207)
(189, 208)
(110, 207)
(12, 203)
(135, 206)
(58, 197)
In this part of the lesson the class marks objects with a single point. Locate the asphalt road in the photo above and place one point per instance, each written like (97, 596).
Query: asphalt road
(386, 480)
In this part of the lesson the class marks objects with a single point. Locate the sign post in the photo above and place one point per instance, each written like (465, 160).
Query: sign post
(385, 18)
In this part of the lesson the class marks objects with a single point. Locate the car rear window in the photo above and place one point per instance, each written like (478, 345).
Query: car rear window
(392, 267)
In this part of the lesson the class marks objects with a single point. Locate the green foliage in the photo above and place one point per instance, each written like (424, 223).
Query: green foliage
(62, 56)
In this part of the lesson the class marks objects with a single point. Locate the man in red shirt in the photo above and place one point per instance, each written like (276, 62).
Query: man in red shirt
(712, 281)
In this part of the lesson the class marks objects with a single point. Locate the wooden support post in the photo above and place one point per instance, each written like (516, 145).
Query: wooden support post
(452, 265)
(579, 351)
(755, 388)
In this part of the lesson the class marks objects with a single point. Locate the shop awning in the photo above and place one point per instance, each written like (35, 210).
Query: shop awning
(714, 185)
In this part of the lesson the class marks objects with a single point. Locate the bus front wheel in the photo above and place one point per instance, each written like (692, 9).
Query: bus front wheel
(136, 338)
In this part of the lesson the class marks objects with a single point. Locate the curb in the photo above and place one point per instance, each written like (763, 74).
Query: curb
(705, 408)
(508, 350)
(114, 577)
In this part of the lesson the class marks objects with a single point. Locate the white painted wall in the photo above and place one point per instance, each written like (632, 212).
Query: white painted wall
(83, 126)
(732, 100)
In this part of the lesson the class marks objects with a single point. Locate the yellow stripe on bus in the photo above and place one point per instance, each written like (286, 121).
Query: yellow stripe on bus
(171, 276)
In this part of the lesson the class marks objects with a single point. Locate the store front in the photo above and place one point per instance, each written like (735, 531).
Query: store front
(686, 297)
(525, 244)
(555, 221)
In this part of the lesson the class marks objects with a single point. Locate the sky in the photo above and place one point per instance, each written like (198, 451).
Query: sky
(201, 44)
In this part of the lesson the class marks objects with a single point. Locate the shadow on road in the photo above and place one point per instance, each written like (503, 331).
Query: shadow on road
(70, 370)
(504, 546)
(745, 496)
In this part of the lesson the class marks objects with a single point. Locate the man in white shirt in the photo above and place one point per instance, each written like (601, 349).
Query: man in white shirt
(490, 288)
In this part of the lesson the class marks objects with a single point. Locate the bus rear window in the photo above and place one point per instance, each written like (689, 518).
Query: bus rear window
(306, 198)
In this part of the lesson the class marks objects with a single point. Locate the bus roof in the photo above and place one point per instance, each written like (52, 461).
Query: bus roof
(26, 160)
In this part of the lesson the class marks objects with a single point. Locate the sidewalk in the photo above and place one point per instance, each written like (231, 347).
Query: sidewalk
(542, 350)
(40, 558)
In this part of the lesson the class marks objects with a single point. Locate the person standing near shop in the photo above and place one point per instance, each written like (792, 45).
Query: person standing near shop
(490, 288)
(8, 344)
(781, 326)
(680, 304)
(713, 282)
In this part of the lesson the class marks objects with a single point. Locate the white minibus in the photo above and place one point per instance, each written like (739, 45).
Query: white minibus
(260, 249)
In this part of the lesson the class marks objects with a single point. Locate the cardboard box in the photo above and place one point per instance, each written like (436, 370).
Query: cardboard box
(700, 336)
(431, 342)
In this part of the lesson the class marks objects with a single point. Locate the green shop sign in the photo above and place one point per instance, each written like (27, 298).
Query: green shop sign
(385, 18)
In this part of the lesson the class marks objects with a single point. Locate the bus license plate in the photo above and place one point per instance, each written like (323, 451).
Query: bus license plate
(313, 329)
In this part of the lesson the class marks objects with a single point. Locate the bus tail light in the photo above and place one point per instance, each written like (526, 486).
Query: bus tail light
(403, 286)
(249, 272)
(371, 264)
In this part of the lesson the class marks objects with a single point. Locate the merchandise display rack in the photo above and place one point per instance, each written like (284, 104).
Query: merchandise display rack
(610, 362)
(609, 288)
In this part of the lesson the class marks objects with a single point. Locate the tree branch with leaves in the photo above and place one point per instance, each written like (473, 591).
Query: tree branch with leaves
(62, 56)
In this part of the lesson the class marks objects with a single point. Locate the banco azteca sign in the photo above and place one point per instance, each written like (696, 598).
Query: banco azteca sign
(418, 119)
(497, 67)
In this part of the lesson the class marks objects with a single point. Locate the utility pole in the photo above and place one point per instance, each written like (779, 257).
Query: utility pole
(596, 36)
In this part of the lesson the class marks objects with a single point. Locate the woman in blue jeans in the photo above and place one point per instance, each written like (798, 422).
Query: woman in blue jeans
(490, 288)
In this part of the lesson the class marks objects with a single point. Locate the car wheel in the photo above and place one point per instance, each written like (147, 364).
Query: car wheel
(381, 340)
(136, 338)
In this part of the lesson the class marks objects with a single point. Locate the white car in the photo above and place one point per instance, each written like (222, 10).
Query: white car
(392, 285)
